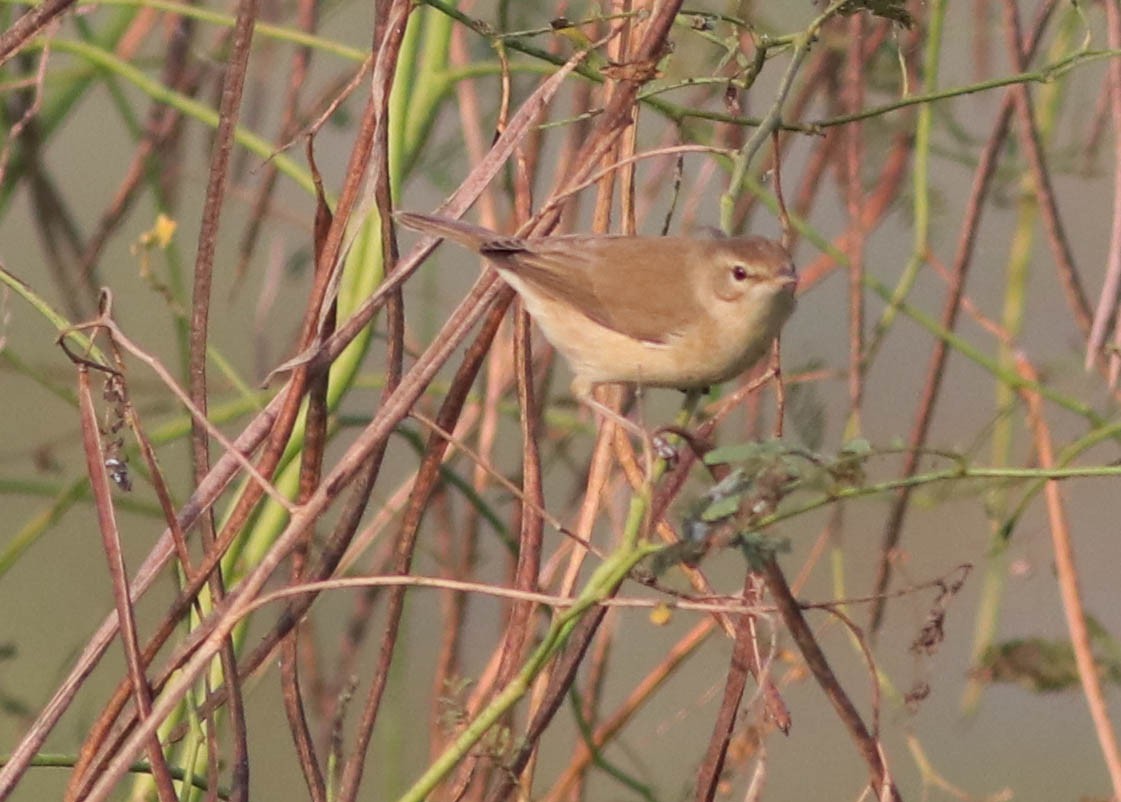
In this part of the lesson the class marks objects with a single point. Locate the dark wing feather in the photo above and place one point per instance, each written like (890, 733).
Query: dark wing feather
(637, 286)
(556, 270)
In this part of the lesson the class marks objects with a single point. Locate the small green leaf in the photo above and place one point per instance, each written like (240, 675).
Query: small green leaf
(893, 10)
(731, 484)
(793, 468)
(726, 455)
(806, 412)
(857, 447)
(721, 508)
(759, 548)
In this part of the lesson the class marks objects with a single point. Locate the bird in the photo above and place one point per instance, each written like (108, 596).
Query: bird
(675, 311)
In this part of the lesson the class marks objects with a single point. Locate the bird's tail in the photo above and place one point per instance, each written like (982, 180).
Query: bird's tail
(466, 234)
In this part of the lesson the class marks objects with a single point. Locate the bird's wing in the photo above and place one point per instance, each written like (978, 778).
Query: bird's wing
(595, 278)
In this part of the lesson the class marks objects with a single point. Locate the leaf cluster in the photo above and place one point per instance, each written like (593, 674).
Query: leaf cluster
(754, 479)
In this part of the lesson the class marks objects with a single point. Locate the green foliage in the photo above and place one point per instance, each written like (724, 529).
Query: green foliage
(758, 549)
(756, 478)
(894, 10)
(805, 412)
(1044, 665)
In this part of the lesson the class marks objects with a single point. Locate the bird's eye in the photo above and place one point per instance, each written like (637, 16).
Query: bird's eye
(739, 272)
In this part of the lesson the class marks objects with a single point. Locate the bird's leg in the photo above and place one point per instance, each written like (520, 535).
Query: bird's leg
(661, 448)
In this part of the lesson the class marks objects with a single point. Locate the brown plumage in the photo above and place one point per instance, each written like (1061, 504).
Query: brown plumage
(658, 311)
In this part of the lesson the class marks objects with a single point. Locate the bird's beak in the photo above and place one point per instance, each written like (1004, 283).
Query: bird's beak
(787, 278)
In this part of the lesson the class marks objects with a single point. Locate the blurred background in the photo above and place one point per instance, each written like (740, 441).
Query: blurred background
(923, 159)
